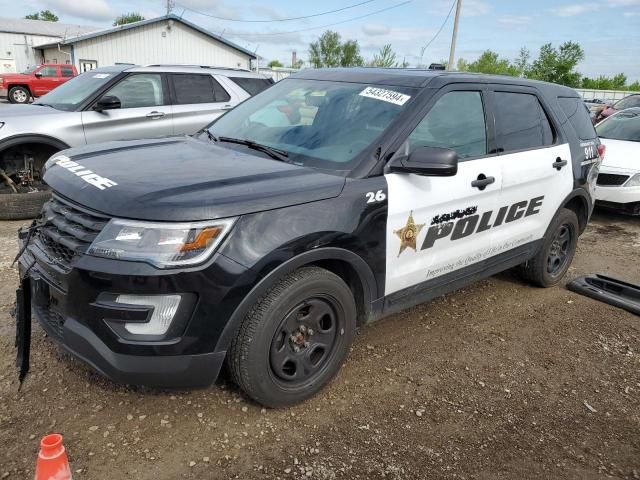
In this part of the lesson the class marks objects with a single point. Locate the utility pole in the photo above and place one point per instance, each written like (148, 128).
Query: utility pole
(170, 5)
(452, 52)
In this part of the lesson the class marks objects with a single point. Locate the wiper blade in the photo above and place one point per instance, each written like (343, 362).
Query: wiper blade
(274, 153)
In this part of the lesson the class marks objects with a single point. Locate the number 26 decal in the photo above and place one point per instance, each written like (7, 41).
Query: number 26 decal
(373, 197)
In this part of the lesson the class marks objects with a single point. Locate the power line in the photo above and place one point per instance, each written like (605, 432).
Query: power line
(278, 19)
(439, 30)
(319, 26)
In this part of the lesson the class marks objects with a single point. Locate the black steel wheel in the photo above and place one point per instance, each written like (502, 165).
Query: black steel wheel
(559, 252)
(305, 341)
(295, 338)
(554, 257)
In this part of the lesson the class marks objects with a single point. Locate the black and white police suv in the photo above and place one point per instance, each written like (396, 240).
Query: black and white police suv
(329, 200)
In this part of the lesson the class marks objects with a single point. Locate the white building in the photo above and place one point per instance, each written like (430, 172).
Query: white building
(19, 39)
(168, 39)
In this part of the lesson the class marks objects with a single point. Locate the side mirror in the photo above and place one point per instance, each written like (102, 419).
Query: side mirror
(427, 161)
(108, 102)
(38, 74)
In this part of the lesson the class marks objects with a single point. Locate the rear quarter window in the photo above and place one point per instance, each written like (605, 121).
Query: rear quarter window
(578, 116)
(252, 86)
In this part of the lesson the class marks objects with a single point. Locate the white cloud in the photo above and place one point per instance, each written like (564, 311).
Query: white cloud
(515, 20)
(632, 14)
(575, 9)
(623, 3)
(218, 8)
(374, 30)
(265, 12)
(98, 10)
(470, 8)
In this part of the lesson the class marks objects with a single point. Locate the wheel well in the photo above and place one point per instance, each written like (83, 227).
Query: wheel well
(10, 86)
(579, 206)
(31, 156)
(349, 274)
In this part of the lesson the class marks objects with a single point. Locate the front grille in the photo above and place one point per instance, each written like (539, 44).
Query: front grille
(611, 179)
(67, 231)
(51, 319)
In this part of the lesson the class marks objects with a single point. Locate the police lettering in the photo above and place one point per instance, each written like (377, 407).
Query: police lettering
(482, 222)
(86, 175)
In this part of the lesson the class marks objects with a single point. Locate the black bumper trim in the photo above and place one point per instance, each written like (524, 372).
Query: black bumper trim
(158, 371)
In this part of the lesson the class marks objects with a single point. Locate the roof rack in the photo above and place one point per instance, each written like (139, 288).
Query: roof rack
(196, 66)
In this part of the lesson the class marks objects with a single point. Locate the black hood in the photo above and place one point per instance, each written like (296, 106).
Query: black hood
(185, 179)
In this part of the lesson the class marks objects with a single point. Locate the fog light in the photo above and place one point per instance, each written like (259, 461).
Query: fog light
(164, 309)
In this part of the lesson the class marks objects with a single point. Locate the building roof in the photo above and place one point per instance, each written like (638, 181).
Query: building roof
(42, 28)
(129, 26)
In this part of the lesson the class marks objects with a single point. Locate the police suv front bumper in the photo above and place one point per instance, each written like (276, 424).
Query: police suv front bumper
(74, 303)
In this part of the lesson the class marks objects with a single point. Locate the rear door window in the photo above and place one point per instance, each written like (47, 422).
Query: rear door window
(197, 88)
(521, 123)
(193, 88)
(252, 86)
(66, 71)
(578, 116)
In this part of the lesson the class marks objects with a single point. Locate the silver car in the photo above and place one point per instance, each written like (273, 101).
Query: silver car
(122, 102)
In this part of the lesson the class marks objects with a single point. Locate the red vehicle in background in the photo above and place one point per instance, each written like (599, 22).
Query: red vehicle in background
(35, 81)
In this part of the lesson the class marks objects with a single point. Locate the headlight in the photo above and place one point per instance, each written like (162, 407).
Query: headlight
(633, 181)
(161, 244)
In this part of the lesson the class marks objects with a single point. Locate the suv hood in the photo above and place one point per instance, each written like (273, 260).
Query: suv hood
(183, 179)
(13, 111)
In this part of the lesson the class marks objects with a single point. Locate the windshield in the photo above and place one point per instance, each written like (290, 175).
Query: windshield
(72, 93)
(621, 126)
(317, 123)
(628, 102)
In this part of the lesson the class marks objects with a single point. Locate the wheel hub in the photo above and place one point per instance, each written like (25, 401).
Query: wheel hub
(304, 341)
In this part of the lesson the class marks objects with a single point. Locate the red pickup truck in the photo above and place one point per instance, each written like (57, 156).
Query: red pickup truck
(35, 81)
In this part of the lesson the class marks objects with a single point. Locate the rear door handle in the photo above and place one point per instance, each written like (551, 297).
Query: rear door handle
(559, 163)
(154, 115)
(482, 181)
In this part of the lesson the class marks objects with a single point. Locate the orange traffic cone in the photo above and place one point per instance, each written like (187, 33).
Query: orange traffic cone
(52, 463)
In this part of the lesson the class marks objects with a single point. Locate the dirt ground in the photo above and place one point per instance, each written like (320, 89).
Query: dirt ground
(497, 381)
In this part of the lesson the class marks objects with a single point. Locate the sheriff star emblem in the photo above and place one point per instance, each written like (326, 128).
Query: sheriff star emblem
(408, 234)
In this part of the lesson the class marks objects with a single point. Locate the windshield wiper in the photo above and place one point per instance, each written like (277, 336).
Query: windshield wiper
(274, 153)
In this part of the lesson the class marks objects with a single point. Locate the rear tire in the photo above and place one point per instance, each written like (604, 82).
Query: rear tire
(553, 260)
(19, 95)
(22, 206)
(294, 339)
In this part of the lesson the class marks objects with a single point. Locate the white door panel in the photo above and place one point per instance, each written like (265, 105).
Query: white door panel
(451, 230)
(530, 175)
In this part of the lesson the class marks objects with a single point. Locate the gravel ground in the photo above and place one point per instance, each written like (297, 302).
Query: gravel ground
(496, 381)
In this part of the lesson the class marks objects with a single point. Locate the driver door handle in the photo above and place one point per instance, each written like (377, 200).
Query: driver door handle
(559, 163)
(155, 115)
(482, 182)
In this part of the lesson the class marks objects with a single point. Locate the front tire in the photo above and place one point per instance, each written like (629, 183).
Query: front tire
(553, 260)
(294, 339)
(19, 95)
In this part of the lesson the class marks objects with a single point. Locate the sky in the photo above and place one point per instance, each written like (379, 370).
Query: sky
(607, 30)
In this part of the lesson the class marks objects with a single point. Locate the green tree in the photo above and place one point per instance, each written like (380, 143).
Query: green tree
(617, 82)
(46, 15)
(127, 18)
(350, 55)
(275, 64)
(385, 58)
(329, 51)
(521, 64)
(635, 86)
(558, 65)
(489, 62)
